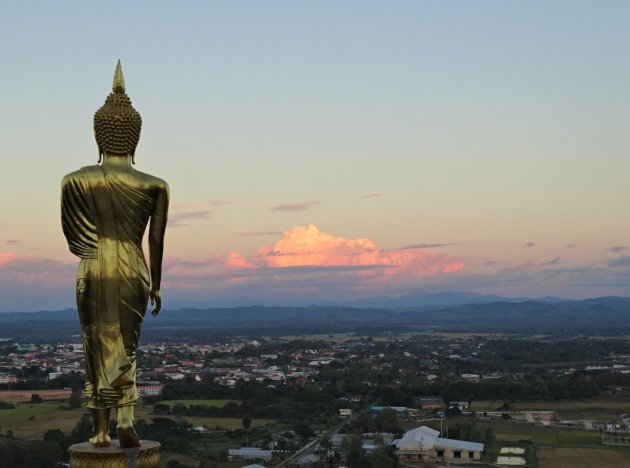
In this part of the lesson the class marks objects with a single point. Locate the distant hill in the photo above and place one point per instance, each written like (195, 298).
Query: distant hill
(412, 300)
(590, 316)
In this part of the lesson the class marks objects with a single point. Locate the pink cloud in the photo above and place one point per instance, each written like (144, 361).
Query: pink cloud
(308, 246)
(8, 258)
(17, 271)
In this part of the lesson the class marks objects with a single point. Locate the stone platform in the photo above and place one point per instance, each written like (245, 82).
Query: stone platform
(84, 455)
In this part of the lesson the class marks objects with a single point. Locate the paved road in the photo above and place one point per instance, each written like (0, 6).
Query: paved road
(310, 448)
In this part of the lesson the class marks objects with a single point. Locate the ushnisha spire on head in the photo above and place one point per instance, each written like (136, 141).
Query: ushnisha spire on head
(119, 79)
(117, 124)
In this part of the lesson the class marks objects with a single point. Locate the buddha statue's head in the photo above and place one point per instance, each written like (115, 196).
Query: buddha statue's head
(117, 124)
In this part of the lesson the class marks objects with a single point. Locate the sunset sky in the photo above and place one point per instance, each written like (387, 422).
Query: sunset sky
(331, 150)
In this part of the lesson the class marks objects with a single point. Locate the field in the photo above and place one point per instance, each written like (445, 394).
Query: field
(580, 458)
(24, 396)
(600, 408)
(31, 421)
(215, 403)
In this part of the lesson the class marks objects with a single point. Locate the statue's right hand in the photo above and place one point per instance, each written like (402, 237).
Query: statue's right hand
(156, 300)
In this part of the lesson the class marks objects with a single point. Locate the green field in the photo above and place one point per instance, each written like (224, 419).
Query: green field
(215, 403)
(29, 409)
(599, 409)
(619, 402)
(31, 421)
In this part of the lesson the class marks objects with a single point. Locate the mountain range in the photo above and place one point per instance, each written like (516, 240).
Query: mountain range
(445, 311)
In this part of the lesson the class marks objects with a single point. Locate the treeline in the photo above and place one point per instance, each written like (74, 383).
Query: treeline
(229, 410)
(37, 380)
(542, 386)
(307, 402)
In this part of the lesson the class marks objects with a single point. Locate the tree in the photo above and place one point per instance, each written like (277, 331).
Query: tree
(75, 400)
(160, 408)
(247, 422)
(304, 430)
(381, 459)
(83, 430)
(352, 445)
(387, 421)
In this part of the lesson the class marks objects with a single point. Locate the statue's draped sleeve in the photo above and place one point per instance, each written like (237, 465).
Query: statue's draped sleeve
(77, 215)
(103, 219)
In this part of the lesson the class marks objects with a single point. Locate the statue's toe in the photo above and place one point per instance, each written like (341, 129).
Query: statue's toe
(100, 440)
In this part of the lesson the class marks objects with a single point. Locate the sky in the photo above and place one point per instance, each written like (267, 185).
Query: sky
(331, 150)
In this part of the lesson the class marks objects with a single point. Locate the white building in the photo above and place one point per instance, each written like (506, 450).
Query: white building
(424, 444)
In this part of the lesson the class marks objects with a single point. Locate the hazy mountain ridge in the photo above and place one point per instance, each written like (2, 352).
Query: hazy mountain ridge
(594, 314)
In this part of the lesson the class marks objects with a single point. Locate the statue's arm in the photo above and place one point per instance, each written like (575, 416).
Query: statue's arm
(157, 227)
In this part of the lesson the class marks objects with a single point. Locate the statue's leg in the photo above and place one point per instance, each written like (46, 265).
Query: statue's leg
(126, 433)
(100, 420)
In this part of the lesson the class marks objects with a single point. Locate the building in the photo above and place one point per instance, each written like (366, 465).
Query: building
(249, 453)
(400, 410)
(345, 412)
(429, 403)
(460, 405)
(150, 390)
(424, 444)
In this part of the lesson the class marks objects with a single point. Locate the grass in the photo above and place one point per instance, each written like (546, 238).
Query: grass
(225, 423)
(32, 421)
(606, 403)
(215, 403)
(29, 409)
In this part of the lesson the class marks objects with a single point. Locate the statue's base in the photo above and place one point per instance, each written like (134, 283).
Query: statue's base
(85, 455)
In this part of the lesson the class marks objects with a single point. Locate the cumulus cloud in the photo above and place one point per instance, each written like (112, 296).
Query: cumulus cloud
(530, 244)
(371, 195)
(309, 247)
(295, 207)
(308, 261)
(623, 261)
(425, 246)
(617, 249)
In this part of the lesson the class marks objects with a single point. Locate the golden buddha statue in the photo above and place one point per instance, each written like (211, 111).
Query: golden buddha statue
(105, 209)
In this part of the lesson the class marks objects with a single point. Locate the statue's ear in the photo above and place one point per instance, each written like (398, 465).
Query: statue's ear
(100, 151)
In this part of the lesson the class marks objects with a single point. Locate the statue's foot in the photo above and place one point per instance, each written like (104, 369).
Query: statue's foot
(127, 437)
(100, 440)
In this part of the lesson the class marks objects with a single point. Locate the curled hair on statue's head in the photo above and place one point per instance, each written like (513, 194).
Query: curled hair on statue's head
(117, 124)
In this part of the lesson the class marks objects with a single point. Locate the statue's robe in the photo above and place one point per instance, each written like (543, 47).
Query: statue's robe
(104, 218)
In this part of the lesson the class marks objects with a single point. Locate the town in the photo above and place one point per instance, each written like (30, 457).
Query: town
(341, 399)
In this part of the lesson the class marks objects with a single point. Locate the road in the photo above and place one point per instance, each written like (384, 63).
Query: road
(312, 446)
